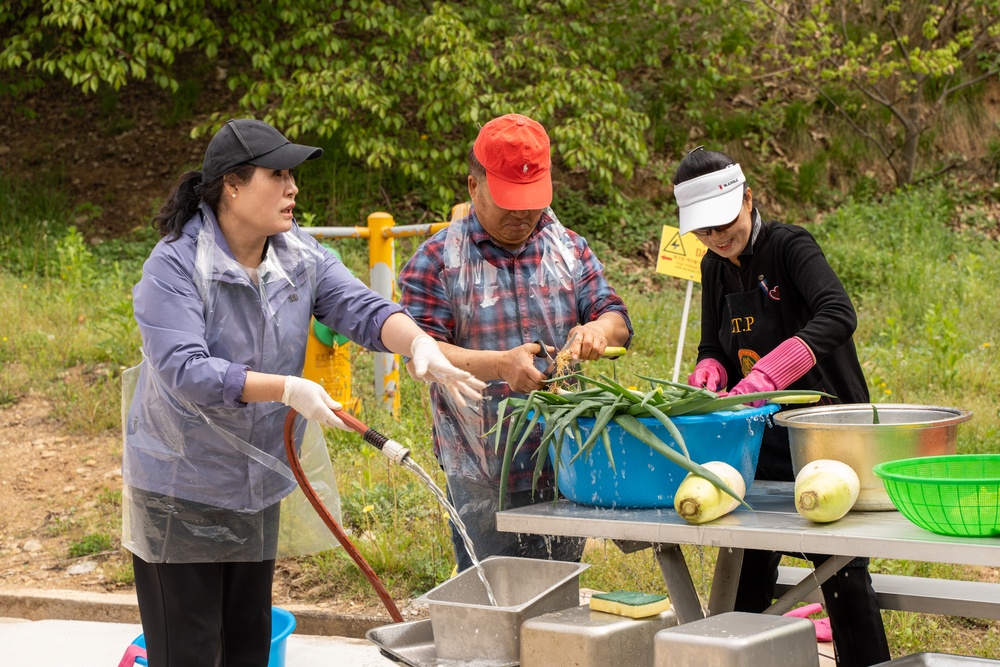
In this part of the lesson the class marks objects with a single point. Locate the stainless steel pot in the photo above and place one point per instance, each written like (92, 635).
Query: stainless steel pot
(848, 433)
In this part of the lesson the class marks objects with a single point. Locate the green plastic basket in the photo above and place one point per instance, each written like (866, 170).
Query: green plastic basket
(949, 495)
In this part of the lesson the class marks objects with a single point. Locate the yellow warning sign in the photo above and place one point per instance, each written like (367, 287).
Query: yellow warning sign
(680, 256)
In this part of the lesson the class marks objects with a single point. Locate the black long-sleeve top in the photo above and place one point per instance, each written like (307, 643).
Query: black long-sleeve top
(813, 305)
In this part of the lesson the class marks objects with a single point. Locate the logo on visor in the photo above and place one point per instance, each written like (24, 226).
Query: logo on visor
(726, 185)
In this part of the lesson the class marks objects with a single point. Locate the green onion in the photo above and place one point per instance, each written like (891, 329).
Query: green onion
(607, 401)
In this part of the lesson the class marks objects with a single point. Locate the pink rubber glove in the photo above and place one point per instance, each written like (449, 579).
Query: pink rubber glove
(709, 374)
(751, 384)
(777, 369)
(822, 625)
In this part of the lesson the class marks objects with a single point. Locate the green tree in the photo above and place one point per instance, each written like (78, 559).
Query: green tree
(403, 84)
(904, 58)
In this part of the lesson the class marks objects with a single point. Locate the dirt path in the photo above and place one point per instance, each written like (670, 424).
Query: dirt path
(51, 488)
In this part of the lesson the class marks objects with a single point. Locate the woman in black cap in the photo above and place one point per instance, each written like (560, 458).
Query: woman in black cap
(224, 307)
(775, 316)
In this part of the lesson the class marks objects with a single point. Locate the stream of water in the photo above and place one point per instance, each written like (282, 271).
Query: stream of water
(413, 466)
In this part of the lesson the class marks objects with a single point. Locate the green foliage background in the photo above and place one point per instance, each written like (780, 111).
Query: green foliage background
(402, 85)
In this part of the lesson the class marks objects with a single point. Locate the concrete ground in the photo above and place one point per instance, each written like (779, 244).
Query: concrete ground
(61, 628)
(57, 643)
(71, 629)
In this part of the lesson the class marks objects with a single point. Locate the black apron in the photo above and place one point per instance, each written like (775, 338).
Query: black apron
(753, 323)
(754, 328)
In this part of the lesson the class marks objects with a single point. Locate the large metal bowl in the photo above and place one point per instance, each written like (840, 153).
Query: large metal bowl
(848, 433)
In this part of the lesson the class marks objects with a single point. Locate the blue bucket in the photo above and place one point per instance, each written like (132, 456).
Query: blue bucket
(644, 478)
(282, 625)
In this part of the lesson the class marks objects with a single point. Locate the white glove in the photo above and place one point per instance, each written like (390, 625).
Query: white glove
(430, 365)
(311, 401)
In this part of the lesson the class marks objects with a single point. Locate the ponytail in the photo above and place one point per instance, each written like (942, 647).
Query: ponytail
(188, 192)
(179, 206)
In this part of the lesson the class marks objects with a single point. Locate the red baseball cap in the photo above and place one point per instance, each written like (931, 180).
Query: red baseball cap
(514, 149)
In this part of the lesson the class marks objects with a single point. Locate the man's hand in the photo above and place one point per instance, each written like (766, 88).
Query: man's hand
(430, 365)
(517, 369)
(311, 401)
(589, 343)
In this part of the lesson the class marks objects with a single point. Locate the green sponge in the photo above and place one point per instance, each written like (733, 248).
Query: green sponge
(629, 603)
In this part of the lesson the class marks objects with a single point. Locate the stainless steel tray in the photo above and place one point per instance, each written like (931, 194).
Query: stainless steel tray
(936, 660)
(412, 643)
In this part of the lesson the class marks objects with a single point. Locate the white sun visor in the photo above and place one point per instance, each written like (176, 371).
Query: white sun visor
(711, 200)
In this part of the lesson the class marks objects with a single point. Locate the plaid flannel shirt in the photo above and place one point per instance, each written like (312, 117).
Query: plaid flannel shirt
(464, 289)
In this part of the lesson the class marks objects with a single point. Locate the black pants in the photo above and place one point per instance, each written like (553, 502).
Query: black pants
(855, 617)
(205, 614)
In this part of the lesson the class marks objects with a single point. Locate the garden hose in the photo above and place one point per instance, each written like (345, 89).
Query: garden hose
(392, 450)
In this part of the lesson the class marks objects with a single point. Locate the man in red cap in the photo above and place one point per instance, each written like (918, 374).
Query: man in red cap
(487, 288)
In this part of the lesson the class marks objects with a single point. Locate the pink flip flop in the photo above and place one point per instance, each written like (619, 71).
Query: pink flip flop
(823, 631)
(131, 653)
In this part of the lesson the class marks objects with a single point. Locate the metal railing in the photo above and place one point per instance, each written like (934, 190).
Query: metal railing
(381, 233)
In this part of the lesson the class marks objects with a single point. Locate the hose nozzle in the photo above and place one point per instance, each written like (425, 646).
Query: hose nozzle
(395, 452)
(392, 450)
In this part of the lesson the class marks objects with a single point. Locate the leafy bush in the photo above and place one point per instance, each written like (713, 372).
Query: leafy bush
(622, 227)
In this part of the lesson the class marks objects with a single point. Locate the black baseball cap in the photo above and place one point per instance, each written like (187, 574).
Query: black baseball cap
(254, 142)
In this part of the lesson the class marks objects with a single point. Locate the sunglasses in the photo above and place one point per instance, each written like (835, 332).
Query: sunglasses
(722, 229)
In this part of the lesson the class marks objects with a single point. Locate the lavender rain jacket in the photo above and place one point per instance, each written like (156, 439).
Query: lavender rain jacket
(200, 467)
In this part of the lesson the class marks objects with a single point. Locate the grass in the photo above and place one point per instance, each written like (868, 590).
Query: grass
(925, 293)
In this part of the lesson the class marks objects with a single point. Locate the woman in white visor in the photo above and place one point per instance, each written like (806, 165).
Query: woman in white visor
(775, 316)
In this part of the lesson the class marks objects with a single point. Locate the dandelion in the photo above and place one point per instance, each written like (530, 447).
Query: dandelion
(368, 508)
(986, 344)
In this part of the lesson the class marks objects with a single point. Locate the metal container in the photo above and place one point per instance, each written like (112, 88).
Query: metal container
(738, 639)
(848, 433)
(937, 660)
(581, 637)
(412, 643)
(467, 627)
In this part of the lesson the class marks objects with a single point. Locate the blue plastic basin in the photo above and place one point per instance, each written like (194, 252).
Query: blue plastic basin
(282, 625)
(644, 478)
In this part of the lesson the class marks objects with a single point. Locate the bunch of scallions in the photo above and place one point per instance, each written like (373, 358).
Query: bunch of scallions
(606, 401)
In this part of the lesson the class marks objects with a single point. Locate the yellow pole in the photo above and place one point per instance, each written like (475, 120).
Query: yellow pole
(382, 272)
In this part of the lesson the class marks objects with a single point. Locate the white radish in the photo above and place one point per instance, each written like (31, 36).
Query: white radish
(699, 500)
(826, 490)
